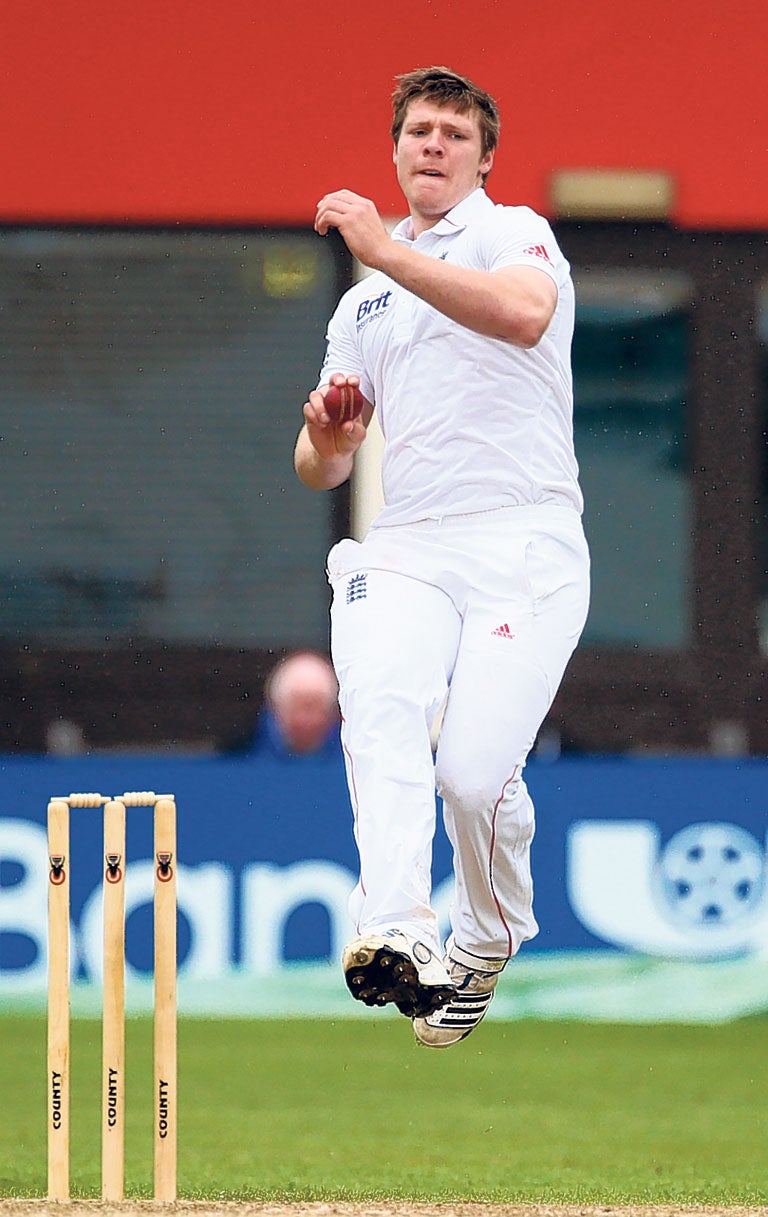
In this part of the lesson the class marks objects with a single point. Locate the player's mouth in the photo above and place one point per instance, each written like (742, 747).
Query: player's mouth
(430, 173)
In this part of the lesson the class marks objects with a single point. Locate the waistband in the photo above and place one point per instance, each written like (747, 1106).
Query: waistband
(530, 515)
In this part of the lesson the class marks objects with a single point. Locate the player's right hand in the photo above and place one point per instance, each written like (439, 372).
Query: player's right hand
(331, 439)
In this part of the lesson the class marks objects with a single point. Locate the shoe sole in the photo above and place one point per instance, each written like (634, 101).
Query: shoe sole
(379, 975)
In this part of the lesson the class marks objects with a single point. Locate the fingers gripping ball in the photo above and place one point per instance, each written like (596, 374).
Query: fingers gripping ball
(343, 403)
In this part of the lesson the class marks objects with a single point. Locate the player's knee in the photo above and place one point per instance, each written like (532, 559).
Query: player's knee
(471, 789)
(473, 792)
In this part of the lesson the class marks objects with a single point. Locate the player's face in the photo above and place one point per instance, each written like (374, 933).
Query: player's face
(439, 160)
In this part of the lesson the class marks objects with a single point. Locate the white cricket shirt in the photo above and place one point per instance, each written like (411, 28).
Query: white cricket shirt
(470, 423)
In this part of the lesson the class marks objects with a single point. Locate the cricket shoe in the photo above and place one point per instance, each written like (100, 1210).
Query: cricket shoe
(455, 1020)
(394, 967)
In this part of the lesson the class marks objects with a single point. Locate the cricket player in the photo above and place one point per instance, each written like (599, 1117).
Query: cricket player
(470, 591)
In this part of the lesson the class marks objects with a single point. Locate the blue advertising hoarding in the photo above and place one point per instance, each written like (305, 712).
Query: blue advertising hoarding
(650, 882)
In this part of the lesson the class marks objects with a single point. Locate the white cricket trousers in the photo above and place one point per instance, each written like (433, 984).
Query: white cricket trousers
(485, 609)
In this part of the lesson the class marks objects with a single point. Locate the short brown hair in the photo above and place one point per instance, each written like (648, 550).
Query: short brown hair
(446, 88)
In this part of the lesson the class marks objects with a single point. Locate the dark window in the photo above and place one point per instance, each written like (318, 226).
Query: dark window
(151, 385)
(762, 330)
(630, 361)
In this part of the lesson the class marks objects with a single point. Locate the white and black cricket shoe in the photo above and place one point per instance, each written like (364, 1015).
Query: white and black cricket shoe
(474, 992)
(394, 967)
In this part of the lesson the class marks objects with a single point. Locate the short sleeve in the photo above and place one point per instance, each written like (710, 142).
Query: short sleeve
(342, 353)
(518, 236)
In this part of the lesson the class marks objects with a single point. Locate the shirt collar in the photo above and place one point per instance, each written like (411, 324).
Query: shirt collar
(455, 221)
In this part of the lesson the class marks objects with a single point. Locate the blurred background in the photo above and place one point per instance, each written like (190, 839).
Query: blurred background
(162, 311)
(163, 299)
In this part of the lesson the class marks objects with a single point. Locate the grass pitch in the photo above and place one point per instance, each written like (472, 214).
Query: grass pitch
(353, 1110)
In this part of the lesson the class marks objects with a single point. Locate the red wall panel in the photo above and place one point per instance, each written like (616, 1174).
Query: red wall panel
(243, 111)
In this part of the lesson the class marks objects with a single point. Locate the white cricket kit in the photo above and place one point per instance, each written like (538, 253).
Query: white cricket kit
(473, 582)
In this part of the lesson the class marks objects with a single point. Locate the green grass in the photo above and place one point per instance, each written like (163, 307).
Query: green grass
(526, 1111)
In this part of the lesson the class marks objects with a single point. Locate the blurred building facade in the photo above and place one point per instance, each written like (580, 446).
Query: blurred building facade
(163, 307)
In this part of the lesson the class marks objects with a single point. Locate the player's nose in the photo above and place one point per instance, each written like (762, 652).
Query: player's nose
(434, 144)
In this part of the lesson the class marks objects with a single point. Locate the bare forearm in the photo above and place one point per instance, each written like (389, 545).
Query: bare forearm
(513, 305)
(318, 472)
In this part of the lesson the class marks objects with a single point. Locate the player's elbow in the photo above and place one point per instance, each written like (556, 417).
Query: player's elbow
(533, 330)
(526, 329)
(529, 308)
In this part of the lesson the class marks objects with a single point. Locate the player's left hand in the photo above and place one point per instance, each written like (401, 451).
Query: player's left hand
(359, 223)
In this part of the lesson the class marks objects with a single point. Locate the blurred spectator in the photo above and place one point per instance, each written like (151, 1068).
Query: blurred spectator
(300, 716)
(64, 738)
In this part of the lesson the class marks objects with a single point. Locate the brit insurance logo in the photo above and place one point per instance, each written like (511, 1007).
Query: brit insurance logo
(371, 308)
(702, 895)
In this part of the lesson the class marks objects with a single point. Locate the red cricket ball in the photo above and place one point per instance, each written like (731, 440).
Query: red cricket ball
(343, 403)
